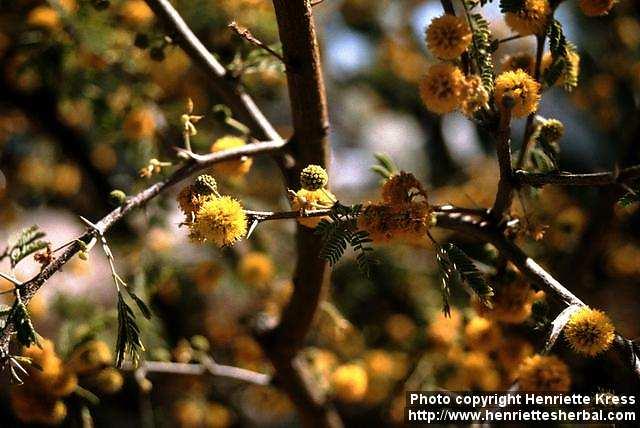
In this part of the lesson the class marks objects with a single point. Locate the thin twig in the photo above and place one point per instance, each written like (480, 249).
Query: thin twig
(484, 230)
(208, 366)
(528, 129)
(193, 165)
(560, 178)
(248, 36)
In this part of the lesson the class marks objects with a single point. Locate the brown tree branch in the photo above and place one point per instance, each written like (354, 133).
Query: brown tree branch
(309, 145)
(482, 228)
(504, 196)
(225, 86)
(29, 288)
(208, 366)
(539, 179)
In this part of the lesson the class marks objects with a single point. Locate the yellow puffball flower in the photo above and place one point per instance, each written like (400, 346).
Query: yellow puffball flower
(44, 17)
(448, 36)
(444, 330)
(219, 220)
(54, 379)
(313, 177)
(136, 12)
(441, 88)
(511, 303)
(312, 200)
(482, 334)
(256, 269)
(350, 382)
(596, 7)
(512, 352)
(589, 331)
(139, 124)
(108, 381)
(532, 19)
(232, 168)
(540, 373)
(90, 357)
(30, 407)
(217, 416)
(522, 88)
(478, 371)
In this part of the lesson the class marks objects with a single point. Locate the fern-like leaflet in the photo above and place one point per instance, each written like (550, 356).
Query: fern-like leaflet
(28, 242)
(128, 342)
(341, 231)
(458, 269)
(480, 51)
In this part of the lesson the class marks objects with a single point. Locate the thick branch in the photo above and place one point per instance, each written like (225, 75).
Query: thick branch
(503, 150)
(309, 145)
(197, 163)
(483, 229)
(539, 179)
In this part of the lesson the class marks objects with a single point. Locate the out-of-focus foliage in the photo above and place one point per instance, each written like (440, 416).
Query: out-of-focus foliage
(91, 91)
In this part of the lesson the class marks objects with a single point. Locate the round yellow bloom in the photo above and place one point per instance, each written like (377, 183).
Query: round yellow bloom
(256, 269)
(44, 17)
(32, 408)
(312, 200)
(400, 328)
(136, 12)
(401, 188)
(232, 168)
(482, 334)
(532, 19)
(448, 36)
(67, 179)
(219, 220)
(188, 413)
(54, 379)
(441, 88)
(139, 124)
(544, 374)
(108, 381)
(313, 177)
(350, 382)
(511, 303)
(513, 351)
(596, 7)
(217, 416)
(384, 364)
(90, 357)
(478, 372)
(522, 88)
(443, 330)
(589, 331)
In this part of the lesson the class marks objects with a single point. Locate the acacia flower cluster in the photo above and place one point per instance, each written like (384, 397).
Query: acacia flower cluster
(313, 195)
(589, 331)
(211, 216)
(544, 373)
(448, 37)
(532, 19)
(519, 88)
(404, 211)
(233, 168)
